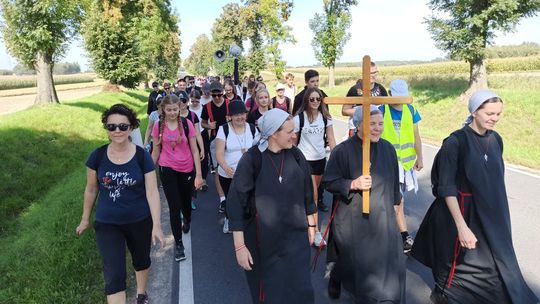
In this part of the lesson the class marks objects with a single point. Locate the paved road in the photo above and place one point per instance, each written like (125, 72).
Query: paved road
(210, 274)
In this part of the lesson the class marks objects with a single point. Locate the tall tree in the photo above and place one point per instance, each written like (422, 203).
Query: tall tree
(330, 29)
(465, 28)
(264, 25)
(227, 30)
(37, 34)
(200, 59)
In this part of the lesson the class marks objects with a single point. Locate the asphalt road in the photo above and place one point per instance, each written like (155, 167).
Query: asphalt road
(210, 274)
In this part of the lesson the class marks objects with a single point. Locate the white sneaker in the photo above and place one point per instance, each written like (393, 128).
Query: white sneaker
(226, 226)
(318, 239)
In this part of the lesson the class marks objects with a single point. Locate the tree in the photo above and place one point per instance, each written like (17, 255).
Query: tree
(200, 60)
(330, 29)
(470, 28)
(111, 40)
(263, 22)
(37, 34)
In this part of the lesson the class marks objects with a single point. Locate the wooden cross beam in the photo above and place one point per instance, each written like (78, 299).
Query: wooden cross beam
(366, 100)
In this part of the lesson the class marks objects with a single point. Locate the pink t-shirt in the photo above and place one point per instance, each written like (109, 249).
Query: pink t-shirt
(179, 157)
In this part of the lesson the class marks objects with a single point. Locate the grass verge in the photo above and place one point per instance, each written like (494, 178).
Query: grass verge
(42, 182)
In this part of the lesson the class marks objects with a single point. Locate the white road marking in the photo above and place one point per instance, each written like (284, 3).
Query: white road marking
(185, 274)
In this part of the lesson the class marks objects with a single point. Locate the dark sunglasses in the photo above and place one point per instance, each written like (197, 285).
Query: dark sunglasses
(313, 99)
(112, 127)
(183, 100)
(217, 95)
(166, 88)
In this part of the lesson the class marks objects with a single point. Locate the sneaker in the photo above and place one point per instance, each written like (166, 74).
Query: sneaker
(318, 240)
(221, 208)
(186, 225)
(142, 298)
(193, 206)
(407, 244)
(226, 226)
(322, 207)
(179, 254)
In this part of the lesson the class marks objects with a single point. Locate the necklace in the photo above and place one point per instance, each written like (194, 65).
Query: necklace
(482, 148)
(280, 171)
(241, 139)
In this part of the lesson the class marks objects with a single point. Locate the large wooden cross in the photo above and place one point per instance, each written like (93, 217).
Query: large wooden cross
(366, 100)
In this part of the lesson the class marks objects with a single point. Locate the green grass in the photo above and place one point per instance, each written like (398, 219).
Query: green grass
(42, 184)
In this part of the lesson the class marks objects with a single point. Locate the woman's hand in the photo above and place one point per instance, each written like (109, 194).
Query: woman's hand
(467, 239)
(198, 182)
(363, 182)
(157, 235)
(229, 170)
(244, 259)
(201, 154)
(83, 225)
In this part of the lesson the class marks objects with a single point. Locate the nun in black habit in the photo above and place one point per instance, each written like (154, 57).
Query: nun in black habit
(465, 236)
(270, 206)
(365, 251)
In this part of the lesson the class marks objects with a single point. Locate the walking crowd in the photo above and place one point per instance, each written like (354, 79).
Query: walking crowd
(274, 154)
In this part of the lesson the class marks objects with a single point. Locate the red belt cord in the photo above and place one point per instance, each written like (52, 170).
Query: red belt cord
(457, 246)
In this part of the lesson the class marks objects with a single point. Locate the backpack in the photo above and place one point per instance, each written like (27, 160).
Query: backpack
(287, 102)
(226, 131)
(462, 149)
(139, 154)
(250, 210)
(301, 125)
(209, 109)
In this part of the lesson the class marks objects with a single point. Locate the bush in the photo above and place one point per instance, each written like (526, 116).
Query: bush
(523, 50)
(66, 68)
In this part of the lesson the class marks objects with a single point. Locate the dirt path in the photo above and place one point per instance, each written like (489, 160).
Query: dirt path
(13, 104)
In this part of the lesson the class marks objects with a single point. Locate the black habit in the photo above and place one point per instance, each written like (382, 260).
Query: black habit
(368, 249)
(273, 217)
(489, 273)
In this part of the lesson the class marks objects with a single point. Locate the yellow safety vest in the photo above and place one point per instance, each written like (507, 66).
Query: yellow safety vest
(404, 145)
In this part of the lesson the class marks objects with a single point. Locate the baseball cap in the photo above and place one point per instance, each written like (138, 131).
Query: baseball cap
(216, 86)
(280, 86)
(398, 87)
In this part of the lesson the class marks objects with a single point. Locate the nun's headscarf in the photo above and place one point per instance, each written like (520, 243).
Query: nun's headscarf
(268, 124)
(476, 100)
(358, 116)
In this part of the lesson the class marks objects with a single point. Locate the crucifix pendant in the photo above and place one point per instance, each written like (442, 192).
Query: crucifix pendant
(486, 157)
(280, 179)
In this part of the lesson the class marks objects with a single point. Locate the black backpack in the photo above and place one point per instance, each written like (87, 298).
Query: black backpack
(139, 154)
(301, 125)
(462, 149)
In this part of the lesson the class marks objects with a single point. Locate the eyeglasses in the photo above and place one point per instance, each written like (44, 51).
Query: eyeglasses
(112, 127)
(166, 88)
(183, 100)
(313, 99)
(217, 95)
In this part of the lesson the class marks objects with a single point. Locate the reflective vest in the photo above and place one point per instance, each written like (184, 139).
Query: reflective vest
(404, 145)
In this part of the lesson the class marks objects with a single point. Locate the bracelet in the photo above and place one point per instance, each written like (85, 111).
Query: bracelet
(240, 247)
(312, 226)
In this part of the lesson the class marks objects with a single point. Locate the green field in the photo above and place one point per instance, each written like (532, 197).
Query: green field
(18, 82)
(42, 182)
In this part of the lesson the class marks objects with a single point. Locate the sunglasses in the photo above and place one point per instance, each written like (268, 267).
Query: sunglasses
(112, 127)
(183, 100)
(217, 95)
(166, 88)
(313, 99)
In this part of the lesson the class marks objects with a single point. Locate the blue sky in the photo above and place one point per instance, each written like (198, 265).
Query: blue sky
(396, 31)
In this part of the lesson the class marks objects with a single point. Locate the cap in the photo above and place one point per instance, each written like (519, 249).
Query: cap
(280, 86)
(183, 96)
(216, 86)
(398, 87)
(237, 107)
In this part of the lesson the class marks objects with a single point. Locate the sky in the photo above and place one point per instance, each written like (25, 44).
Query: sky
(383, 29)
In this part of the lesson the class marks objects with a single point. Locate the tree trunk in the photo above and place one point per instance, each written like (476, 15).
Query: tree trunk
(477, 78)
(331, 76)
(46, 92)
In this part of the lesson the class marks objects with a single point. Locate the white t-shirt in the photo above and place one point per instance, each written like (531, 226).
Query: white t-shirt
(312, 137)
(198, 113)
(289, 92)
(154, 116)
(234, 145)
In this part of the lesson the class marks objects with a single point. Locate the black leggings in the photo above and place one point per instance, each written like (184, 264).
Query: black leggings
(177, 187)
(206, 161)
(225, 183)
(112, 240)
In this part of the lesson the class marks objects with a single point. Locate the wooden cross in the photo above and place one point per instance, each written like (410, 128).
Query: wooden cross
(366, 100)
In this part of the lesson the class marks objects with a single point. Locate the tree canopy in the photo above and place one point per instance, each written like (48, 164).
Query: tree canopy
(200, 60)
(464, 28)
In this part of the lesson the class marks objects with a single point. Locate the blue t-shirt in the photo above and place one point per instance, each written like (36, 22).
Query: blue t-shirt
(396, 116)
(122, 192)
